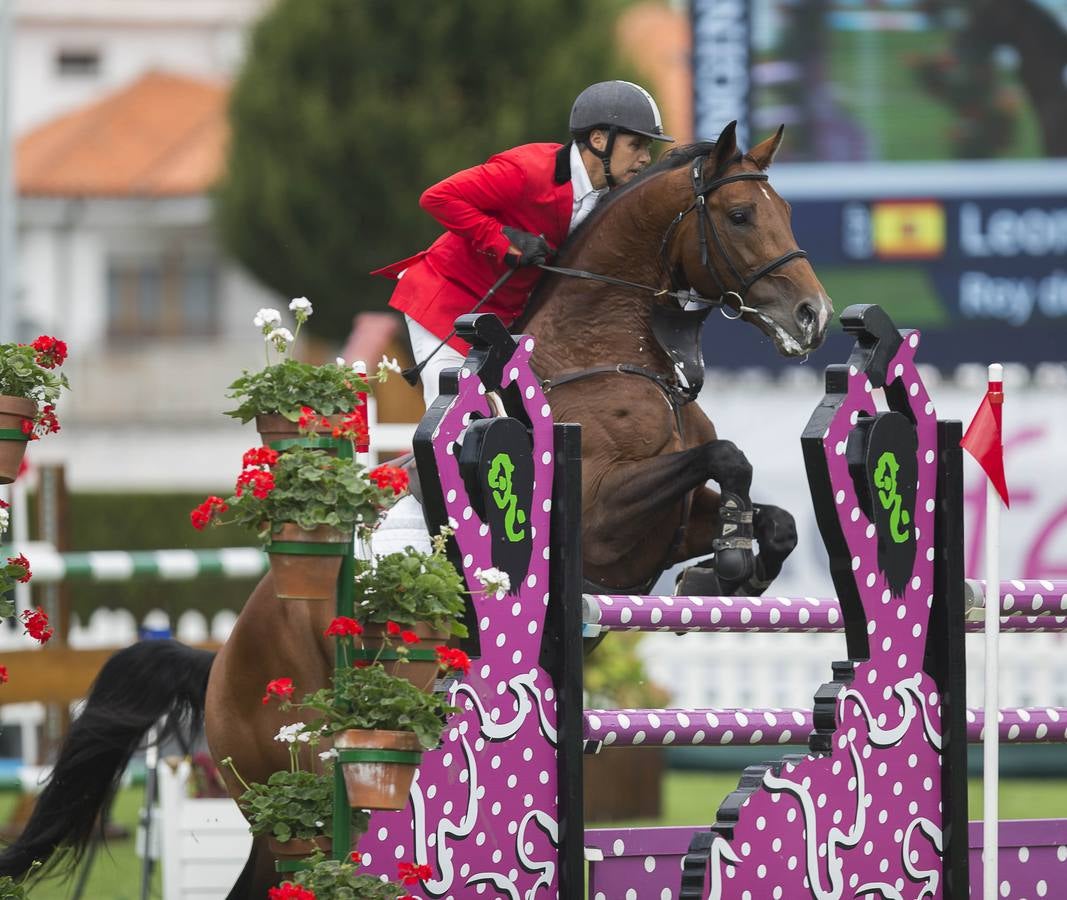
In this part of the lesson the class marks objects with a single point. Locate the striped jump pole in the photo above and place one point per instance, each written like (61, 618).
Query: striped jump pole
(50, 566)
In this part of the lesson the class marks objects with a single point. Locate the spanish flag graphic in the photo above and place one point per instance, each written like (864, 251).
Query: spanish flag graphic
(908, 229)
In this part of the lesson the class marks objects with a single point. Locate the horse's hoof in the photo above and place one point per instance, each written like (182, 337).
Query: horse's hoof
(698, 581)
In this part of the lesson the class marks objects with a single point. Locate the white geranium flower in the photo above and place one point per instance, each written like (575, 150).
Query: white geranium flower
(360, 366)
(5, 519)
(267, 319)
(386, 366)
(494, 581)
(288, 734)
(300, 308)
(340, 362)
(281, 338)
(328, 754)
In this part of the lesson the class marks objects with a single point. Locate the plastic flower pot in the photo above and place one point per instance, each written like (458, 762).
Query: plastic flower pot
(299, 847)
(378, 767)
(422, 666)
(14, 411)
(305, 564)
(278, 432)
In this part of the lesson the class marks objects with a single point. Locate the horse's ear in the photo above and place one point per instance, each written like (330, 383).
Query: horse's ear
(726, 146)
(763, 154)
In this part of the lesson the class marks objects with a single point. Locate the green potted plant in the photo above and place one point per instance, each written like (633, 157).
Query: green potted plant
(380, 724)
(410, 603)
(288, 397)
(29, 389)
(331, 879)
(18, 889)
(295, 809)
(304, 504)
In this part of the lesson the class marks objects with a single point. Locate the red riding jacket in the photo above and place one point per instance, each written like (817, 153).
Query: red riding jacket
(528, 187)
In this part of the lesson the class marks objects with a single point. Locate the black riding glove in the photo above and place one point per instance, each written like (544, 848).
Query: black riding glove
(533, 248)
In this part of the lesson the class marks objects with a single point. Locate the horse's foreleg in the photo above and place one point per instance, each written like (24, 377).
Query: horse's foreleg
(633, 510)
(774, 531)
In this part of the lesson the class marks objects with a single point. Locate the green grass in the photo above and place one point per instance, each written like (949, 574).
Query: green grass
(689, 798)
(116, 871)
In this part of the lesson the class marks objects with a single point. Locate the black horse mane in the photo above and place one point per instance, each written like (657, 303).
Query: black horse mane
(674, 159)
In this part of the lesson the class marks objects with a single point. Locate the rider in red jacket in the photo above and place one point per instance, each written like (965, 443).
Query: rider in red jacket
(514, 210)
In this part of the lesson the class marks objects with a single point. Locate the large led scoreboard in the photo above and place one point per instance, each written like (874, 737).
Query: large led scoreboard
(945, 204)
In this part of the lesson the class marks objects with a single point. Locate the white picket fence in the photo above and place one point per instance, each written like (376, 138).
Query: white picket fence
(203, 843)
(784, 670)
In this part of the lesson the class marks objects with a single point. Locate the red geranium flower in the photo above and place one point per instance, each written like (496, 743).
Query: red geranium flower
(282, 688)
(411, 873)
(46, 423)
(3, 674)
(392, 628)
(343, 625)
(206, 511)
(262, 482)
(356, 857)
(24, 563)
(353, 426)
(290, 891)
(449, 658)
(409, 637)
(308, 418)
(51, 352)
(259, 456)
(386, 476)
(37, 624)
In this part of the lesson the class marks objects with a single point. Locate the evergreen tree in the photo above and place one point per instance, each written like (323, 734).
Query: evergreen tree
(346, 110)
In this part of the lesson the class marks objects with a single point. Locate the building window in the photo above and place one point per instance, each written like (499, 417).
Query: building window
(78, 62)
(170, 296)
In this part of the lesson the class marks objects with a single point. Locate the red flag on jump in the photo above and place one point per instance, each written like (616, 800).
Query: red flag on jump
(983, 438)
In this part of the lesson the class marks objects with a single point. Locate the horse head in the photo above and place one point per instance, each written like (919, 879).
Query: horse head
(735, 243)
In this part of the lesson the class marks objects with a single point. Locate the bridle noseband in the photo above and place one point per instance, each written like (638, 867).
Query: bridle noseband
(705, 223)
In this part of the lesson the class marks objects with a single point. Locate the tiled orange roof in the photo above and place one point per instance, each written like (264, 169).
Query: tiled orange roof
(163, 135)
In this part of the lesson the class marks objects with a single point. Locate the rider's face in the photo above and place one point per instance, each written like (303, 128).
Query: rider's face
(629, 156)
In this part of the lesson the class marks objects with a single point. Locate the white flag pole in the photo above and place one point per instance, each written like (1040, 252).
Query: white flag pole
(991, 739)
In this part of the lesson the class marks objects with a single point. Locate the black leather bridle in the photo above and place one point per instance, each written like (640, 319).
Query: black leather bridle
(705, 223)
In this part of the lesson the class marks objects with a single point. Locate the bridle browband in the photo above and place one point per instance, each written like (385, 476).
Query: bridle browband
(704, 224)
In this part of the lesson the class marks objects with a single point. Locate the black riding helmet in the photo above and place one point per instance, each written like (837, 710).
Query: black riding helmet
(615, 106)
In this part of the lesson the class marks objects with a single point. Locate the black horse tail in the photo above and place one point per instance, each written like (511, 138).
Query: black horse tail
(137, 687)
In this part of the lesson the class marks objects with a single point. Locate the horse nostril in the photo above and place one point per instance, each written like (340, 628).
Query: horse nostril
(806, 316)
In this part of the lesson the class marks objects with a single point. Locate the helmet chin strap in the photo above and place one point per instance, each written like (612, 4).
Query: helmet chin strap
(605, 155)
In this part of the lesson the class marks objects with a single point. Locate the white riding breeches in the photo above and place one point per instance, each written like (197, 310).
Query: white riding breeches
(423, 343)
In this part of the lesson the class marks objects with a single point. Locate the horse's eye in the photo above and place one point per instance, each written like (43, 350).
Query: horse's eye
(738, 216)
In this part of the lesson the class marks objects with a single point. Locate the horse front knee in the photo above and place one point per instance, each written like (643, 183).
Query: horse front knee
(729, 466)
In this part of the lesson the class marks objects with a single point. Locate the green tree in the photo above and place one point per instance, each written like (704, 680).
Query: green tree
(346, 110)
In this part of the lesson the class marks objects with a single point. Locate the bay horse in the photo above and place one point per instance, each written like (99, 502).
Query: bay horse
(703, 222)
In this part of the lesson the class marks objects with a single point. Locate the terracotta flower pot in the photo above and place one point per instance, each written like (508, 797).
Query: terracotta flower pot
(298, 847)
(378, 766)
(421, 668)
(305, 564)
(274, 427)
(13, 412)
